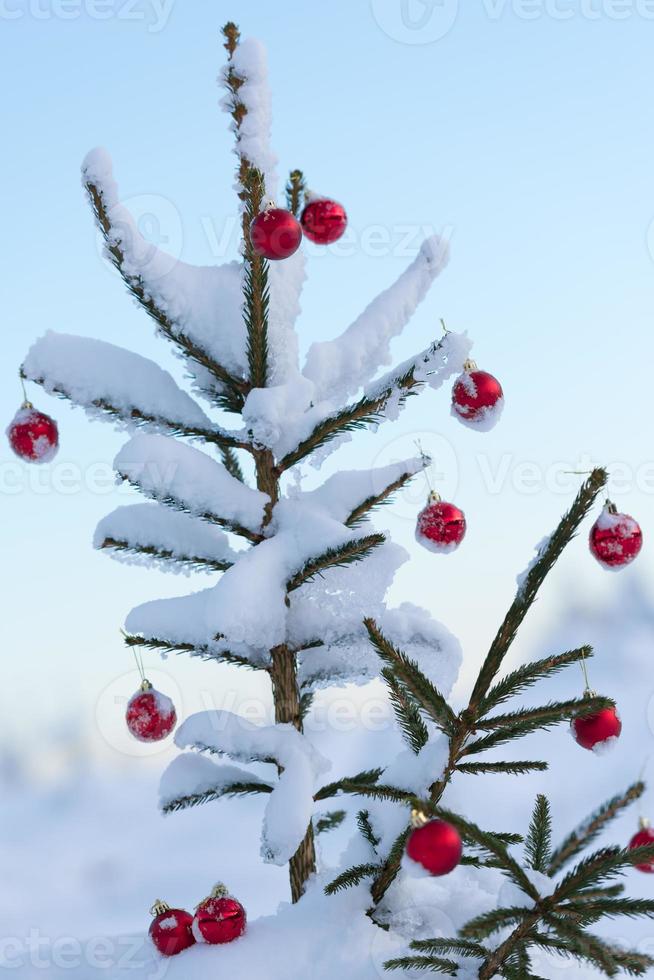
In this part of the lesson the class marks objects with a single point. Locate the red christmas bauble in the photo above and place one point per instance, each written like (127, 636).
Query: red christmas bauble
(644, 838)
(441, 527)
(275, 234)
(615, 538)
(596, 729)
(170, 930)
(150, 715)
(477, 398)
(323, 221)
(219, 918)
(33, 435)
(436, 846)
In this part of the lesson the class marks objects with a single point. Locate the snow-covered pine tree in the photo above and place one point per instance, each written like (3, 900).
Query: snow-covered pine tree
(301, 581)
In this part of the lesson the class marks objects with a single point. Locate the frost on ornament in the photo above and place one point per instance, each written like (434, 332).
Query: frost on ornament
(32, 435)
(477, 398)
(615, 539)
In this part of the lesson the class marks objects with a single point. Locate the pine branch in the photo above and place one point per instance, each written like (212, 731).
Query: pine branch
(350, 878)
(511, 768)
(524, 677)
(600, 867)
(231, 391)
(255, 282)
(367, 778)
(231, 463)
(360, 513)
(348, 553)
(433, 964)
(460, 947)
(408, 716)
(367, 411)
(205, 652)
(216, 793)
(135, 417)
(407, 672)
(364, 825)
(585, 833)
(505, 728)
(538, 845)
(329, 821)
(487, 923)
(295, 191)
(533, 580)
(170, 501)
(164, 555)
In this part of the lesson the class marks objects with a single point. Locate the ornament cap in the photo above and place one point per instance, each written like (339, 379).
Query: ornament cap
(159, 908)
(588, 693)
(27, 405)
(434, 497)
(146, 685)
(644, 823)
(418, 819)
(469, 365)
(611, 507)
(218, 891)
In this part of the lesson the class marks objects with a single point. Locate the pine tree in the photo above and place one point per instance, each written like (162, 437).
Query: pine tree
(299, 577)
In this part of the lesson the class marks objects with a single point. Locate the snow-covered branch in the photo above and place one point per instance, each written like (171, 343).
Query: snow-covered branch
(154, 535)
(197, 308)
(187, 479)
(193, 779)
(290, 805)
(126, 388)
(340, 367)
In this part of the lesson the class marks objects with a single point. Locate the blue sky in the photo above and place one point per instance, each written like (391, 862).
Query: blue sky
(521, 129)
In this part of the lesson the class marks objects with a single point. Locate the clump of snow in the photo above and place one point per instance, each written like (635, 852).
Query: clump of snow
(171, 532)
(250, 63)
(436, 547)
(289, 807)
(202, 303)
(541, 548)
(340, 367)
(166, 469)
(93, 372)
(191, 774)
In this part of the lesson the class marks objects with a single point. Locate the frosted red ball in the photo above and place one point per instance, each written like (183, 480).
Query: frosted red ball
(219, 920)
(170, 931)
(150, 715)
(644, 838)
(275, 234)
(436, 846)
(592, 730)
(441, 526)
(323, 221)
(615, 538)
(33, 436)
(476, 395)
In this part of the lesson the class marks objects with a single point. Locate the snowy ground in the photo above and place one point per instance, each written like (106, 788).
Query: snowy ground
(85, 854)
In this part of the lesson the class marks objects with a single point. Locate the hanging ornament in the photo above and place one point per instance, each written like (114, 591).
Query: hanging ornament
(170, 930)
(275, 233)
(150, 715)
(596, 731)
(477, 398)
(33, 435)
(615, 538)
(435, 844)
(219, 918)
(323, 220)
(440, 527)
(644, 838)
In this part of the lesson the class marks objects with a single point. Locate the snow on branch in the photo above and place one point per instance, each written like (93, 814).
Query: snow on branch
(290, 805)
(349, 495)
(187, 479)
(340, 367)
(150, 534)
(381, 401)
(127, 388)
(198, 308)
(193, 779)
